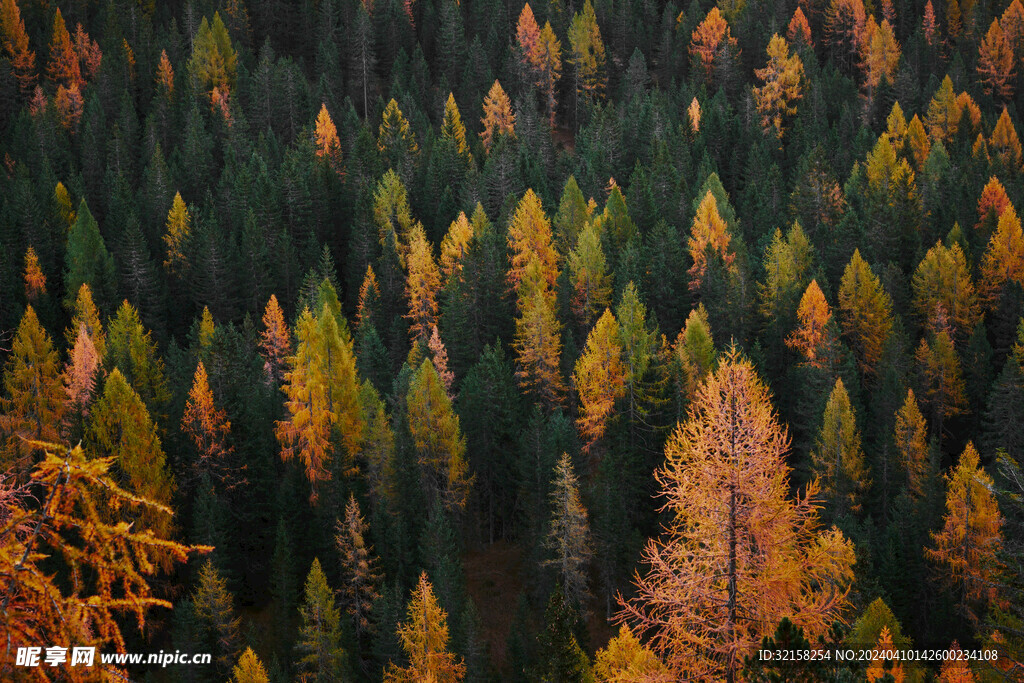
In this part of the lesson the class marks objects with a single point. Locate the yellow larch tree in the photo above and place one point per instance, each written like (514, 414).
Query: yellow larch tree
(738, 552)
(328, 146)
(1005, 143)
(424, 637)
(591, 283)
(1003, 260)
(455, 245)
(776, 99)
(865, 312)
(943, 280)
(837, 460)
(422, 285)
(34, 400)
(910, 434)
(15, 45)
(599, 379)
(530, 239)
(885, 665)
(995, 63)
(179, 227)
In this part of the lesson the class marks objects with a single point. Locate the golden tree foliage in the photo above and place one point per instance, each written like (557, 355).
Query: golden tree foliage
(328, 146)
(738, 553)
(917, 140)
(944, 390)
(439, 357)
(453, 129)
(33, 404)
(880, 54)
(1012, 23)
(776, 99)
(275, 340)
(540, 52)
(710, 36)
(322, 389)
(844, 28)
(943, 281)
(307, 431)
(966, 550)
(179, 227)
(837, 460)
(538, 341)
(424, 637)
(15, 45)
(599, 379)
(625, 660)
(865, 312)
(35, 280)
(588, 54)
(708, 233)
(437, 439)
(991, 205)
(910, 434)
(1003, 260)
(455, 245)
(995, 63)
(885, 665)
(69, 104)
(422, 285)
(498, 117)
(944, 113)
(1004, 141)
(956, 669)
(85, 313)
(530, 240)
(209, 429)
(693, 112)
(811, 336)
(799, 31)
(249, 669)
(106, 572)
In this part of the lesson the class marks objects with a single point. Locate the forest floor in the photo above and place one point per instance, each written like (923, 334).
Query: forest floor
(493, 579)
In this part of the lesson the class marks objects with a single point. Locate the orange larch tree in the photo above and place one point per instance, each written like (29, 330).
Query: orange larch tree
(35, 279)
(498, 117)
(812, 337)
(739, 552)
(991, 205)
(63, 68)
(79, 379)
(424, 638)
(89, 54)
(709, 233)
(275, 341)
(844, 29)
(880, 55)
(966, 550)
(15, 44)
(1003, 260)
(455, 245)
(599, 379)
(995, 63)
(711, 37)
(165, 76)
(799, 31)
(209, 429)
(328, 146)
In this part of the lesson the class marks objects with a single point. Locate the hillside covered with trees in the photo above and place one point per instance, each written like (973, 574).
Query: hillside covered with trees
(441, 340)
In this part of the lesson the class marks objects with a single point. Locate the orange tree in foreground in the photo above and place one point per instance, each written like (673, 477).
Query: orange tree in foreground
(738, 554)
(107, 562)
(424, 637)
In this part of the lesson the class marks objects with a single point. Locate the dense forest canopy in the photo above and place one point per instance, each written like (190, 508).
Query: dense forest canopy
(408, 340)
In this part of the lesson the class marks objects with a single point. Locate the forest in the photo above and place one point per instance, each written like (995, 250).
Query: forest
(613, 340)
